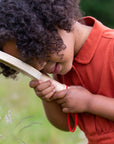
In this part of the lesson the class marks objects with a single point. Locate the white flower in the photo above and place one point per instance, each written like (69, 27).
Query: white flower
(8, 117)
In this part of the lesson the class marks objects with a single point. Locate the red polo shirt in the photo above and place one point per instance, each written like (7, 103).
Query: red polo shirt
(93, 68)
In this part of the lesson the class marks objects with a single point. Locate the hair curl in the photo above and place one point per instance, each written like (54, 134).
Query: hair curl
(32, 24)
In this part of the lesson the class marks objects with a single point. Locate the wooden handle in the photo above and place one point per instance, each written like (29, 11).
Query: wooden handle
(58, 85)
(26, 69)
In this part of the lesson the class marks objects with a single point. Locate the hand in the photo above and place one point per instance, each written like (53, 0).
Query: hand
(43, 90)
(76, 99)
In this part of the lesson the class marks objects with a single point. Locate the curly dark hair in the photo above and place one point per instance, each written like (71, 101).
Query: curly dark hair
(33, 25)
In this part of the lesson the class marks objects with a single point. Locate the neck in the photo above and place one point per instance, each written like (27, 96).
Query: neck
(81, 33)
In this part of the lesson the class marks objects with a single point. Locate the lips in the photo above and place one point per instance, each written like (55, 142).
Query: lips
(55, 69)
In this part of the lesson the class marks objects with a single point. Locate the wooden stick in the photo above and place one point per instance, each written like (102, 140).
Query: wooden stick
(26, 69)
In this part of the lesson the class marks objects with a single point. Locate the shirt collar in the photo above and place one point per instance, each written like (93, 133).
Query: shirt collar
(87, 51)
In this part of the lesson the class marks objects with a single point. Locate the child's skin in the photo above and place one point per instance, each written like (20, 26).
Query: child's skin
(76, 99)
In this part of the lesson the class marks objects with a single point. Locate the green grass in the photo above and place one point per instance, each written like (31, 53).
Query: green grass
(22, 118)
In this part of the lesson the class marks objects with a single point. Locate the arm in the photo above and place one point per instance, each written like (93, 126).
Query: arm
(102, 106)
(54, 113)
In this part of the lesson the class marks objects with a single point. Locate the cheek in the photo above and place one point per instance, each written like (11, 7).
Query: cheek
(66, 68)
(69, 62)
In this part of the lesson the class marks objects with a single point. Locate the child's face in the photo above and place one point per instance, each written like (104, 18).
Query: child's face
(57, 64)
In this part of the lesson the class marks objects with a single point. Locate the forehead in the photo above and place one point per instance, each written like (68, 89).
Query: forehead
(10, 48)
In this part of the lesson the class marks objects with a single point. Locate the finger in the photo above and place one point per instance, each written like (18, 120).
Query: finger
(43, 85)
(48, 90)
(48, 96)
(59, 95)
(38, 94)
(66, 110)
(33, 83)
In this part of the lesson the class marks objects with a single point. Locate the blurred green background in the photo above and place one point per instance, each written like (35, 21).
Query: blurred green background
(103, 10)
(22, 119)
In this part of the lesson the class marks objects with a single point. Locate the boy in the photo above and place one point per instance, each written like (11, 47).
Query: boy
(49, 35)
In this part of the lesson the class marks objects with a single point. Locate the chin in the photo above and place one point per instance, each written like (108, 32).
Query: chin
(64, 72)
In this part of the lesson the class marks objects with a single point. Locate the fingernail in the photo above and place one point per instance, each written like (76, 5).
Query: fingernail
(40, 81)
(54, 85)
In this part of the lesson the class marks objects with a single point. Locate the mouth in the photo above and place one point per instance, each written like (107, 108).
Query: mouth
(55, 69)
